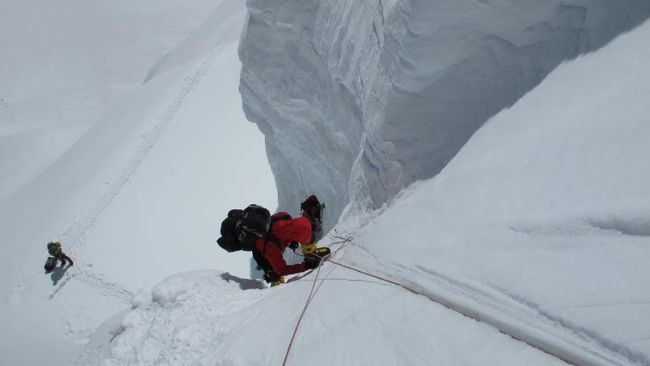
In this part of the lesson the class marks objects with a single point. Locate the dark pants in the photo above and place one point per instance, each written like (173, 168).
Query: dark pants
(269, 275)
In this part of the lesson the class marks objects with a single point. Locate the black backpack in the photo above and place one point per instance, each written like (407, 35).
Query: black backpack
(50, 264)
(241, 229)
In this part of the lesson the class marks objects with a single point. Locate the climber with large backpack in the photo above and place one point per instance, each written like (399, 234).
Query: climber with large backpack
(56, 254)
(267, 236)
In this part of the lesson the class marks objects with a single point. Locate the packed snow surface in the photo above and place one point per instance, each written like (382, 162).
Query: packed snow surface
(487, 161)
(204, 318)
(133, 176)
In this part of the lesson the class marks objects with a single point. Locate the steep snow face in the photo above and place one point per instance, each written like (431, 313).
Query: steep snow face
(539, 228)
(357, 99)
(543, 216)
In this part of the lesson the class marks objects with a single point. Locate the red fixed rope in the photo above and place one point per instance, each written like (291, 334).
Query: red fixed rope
(312, 292)
(302, 314)
(407, 288)
(345, 242)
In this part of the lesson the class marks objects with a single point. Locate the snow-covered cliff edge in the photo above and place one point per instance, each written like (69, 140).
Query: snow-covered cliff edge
(388, 91)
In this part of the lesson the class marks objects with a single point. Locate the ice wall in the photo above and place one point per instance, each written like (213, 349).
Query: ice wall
(358, 98)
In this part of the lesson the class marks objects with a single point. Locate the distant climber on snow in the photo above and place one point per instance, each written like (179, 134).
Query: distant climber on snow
(56, 253)
(267, 236)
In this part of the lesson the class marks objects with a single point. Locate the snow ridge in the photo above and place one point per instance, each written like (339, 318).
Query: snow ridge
(526, 321)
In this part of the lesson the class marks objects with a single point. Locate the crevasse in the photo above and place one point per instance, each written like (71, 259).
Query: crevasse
(359, 98)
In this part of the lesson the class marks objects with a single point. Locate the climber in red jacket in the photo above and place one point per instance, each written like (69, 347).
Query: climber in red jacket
(268, 251)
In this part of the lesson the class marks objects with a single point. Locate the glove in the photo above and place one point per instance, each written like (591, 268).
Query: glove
(312, 261)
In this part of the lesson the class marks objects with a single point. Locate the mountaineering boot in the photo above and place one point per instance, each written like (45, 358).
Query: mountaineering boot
(278, 282)
(308, 248)
(322, 251)
(315, 258)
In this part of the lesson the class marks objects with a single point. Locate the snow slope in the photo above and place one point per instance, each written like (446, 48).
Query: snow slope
(204, 318)
(137, 190)
(65, 64)
(530, 247)
(543, 216)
